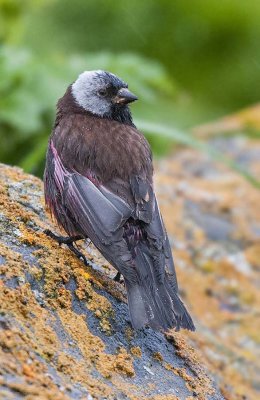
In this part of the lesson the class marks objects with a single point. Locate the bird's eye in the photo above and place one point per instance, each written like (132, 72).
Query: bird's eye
(102, 92)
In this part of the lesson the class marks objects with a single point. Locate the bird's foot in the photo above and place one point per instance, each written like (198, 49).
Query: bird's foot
(118, 278)
(78, 254)
(69, 240)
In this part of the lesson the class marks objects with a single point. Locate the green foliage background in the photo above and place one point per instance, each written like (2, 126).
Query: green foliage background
(188, 62)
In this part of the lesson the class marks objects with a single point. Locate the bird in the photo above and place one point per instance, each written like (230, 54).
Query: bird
(98, 185)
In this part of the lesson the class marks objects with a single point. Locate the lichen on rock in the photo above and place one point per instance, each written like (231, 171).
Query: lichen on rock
(64, 328)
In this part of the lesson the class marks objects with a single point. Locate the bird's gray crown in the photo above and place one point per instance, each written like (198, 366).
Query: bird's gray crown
(92, 88)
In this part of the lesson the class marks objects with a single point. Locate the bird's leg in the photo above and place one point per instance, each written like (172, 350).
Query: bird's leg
(68, 240)
(117, 277)
(63, 239)
(78, 253)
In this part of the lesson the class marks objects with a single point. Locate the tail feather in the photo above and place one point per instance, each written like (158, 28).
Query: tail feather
(136, 304)
(183, 318)
(154, 300)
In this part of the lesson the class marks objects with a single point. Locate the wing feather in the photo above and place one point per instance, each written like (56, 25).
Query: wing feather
(107, 214)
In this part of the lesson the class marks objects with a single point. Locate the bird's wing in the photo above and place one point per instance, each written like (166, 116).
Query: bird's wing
(100, 212)
(96, 208)
(147, 210)
(90, 207)
(159, 243)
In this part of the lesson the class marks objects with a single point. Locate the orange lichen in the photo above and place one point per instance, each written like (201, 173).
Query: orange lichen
(157, 356)
(64, 297)
(221, 294)
(136, 351)
(129, 333)
(253, 255)
(121, 363)
(93, 348)
(199, 383)
(56, 270)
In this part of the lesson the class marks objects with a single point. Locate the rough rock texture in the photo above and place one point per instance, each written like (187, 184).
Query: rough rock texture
(213, 217)
(64, 328)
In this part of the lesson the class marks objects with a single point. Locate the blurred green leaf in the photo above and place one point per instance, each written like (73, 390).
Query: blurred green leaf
(30, 87)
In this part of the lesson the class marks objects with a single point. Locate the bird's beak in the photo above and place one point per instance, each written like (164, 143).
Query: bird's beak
(124, 96)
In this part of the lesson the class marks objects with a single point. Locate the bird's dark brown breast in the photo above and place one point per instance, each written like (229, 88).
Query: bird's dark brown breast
(106, 148)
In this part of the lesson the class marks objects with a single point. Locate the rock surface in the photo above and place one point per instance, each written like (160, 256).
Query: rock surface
(64, 327)
(213, 216)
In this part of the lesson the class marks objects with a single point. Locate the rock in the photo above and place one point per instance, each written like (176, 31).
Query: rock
(212, 215)
(215, 227)
(64, 327)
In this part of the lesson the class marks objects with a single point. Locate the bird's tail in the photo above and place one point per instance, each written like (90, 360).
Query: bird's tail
(154, 300)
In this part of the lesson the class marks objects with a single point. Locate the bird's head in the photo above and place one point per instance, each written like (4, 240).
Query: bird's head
(102, 93)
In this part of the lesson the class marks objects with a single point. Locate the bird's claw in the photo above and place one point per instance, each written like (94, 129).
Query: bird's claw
(117, 278)
(68, 240)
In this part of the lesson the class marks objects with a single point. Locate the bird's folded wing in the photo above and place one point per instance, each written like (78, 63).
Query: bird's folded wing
(95, 208)
(157, 235)
(92, 208)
